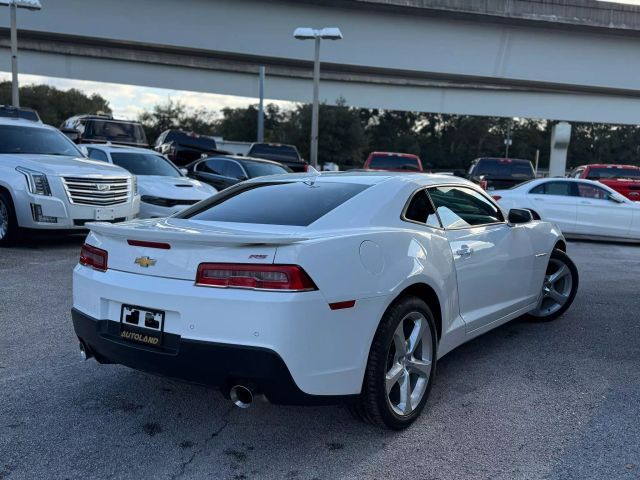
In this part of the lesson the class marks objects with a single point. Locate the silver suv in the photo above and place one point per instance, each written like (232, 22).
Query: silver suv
(47, 184)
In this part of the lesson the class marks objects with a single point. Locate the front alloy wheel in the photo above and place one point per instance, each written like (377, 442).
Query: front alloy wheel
(401, 366)
(559, 287)
(8, 224)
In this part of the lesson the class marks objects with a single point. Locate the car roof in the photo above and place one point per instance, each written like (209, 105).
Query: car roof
(418, 179)
(504, 159)
(24, 123)
(399, 154)
(607, 165)
(242, 158)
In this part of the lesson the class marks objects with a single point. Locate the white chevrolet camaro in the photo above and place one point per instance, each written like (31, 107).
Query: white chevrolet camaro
(340, 287)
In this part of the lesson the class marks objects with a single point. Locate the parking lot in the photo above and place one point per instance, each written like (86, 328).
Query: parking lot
(554, 400)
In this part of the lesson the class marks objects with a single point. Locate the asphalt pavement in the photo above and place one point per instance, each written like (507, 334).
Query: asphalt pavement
(557, 400)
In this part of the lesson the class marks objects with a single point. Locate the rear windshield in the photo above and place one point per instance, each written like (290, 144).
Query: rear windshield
(24, 113)
(145, 164)
(274, 152)
(40, 141)
(117, 132)
(601, 173)
(394, 162)
(291, 203)
(504, 168)
(193, 140)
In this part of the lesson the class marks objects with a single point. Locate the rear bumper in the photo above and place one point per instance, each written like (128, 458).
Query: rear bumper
(207, 363)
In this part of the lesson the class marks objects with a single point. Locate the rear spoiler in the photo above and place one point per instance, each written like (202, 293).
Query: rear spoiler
(163, 231)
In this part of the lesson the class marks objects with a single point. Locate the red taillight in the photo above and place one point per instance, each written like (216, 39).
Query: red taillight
(496, 197)
(94, 257)
(261, 277)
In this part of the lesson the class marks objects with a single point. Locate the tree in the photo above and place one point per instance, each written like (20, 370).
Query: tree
(55, 106)
(241, 124)
(175, 114)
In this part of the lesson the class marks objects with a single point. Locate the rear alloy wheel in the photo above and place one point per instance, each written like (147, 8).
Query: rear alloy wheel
(8, 223)
(401, 366)
(559, 288)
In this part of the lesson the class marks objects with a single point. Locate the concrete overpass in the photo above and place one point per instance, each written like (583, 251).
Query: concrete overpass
(575, 60)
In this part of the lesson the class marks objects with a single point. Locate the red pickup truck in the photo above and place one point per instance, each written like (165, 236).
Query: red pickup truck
(624, 179)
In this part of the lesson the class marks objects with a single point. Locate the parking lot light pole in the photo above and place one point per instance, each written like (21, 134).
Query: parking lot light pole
(327, 33)
(13, 6)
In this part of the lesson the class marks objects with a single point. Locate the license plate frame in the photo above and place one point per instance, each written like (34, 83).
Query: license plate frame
(142, 325)
(103, 214)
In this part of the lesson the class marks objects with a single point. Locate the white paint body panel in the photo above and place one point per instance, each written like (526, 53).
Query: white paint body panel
(362, 250)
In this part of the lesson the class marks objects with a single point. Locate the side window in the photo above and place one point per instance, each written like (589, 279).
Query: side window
(461, 207)
(591, 191)
(234, 170)
(421, 210)
(215, 166)
(98, 155)
(564, 189)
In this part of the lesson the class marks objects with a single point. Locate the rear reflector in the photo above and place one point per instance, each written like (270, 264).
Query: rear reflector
(94, 257)
(142, 243)
(291, 278)
(341, 305)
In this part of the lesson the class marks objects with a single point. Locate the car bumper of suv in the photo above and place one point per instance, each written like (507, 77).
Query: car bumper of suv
(51, 213)
(207, 363)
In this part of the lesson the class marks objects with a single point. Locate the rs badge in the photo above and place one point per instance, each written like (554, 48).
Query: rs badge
(145, 262)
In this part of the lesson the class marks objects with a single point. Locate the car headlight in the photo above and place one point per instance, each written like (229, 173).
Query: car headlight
(37, 181)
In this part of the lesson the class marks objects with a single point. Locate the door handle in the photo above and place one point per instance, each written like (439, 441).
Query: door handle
(464, 251)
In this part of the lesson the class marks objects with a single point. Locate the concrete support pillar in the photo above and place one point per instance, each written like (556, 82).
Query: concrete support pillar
(560, 138)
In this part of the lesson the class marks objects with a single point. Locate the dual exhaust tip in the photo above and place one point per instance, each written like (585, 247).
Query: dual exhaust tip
(241, 396)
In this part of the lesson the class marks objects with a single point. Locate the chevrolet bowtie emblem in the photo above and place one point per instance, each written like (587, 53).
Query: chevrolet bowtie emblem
(145, 262)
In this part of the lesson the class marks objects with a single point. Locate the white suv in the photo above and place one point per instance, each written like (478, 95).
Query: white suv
(46, 183)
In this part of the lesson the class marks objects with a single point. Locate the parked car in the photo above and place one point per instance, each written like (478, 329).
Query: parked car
(9, 111)
(47, 184)
(287, 155)
(624, 179)
(340, 287)
(104, 128)
(164, 189)
(580, 208)
(393, 162)
(498, 173)
(226, 170)
(183, 148)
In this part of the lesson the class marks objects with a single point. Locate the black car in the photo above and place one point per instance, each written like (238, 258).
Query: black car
(500, 173)
(104, 128)
(285, 154)
(8, 111)
(183, 148)
(225, 170)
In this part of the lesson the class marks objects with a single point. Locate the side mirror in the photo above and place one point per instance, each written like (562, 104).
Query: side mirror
(184, 171)
(84, 150)
(72, 133)
(616, 198)
(518, 216)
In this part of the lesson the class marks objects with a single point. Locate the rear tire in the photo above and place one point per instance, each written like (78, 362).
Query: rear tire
(9, 231)
(401, 366)
(558, 289)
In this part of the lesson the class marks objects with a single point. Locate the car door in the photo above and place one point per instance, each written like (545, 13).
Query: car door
(494, 262)
(598, 215)
(214, 172)
(556, 201)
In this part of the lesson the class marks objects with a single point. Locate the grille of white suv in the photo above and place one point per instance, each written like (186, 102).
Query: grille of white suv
(97, 191)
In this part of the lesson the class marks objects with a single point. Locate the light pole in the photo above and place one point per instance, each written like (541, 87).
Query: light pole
(316, 34)
(13, 6)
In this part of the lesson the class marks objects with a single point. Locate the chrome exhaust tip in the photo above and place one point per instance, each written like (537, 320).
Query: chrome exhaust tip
(241, 396)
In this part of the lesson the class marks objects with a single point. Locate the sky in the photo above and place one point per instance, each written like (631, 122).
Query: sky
(128, 101)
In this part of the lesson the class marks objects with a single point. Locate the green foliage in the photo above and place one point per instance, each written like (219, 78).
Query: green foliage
(53, 105)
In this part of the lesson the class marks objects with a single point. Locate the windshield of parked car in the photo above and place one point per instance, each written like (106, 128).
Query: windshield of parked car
(260, 169)
(282, 203)
(145, 164)
(504, 168)
(394, 162)
(274, 152)
(114, 131)
(33, 140)
(601, 173)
